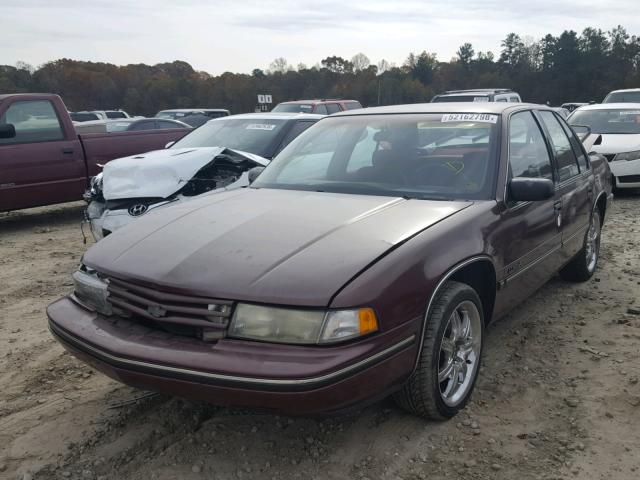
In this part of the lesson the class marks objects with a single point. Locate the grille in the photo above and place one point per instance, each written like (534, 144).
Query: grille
(207, 318)
(610, 156)
(629, 179)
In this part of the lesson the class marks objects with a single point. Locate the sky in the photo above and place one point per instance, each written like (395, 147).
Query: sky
(239, 35)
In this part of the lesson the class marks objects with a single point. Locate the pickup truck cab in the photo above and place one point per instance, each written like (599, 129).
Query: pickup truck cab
(44, 161)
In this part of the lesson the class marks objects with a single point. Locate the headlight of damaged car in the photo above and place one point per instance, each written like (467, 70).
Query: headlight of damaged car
(286, 325)
(635, 155)
(91, 291)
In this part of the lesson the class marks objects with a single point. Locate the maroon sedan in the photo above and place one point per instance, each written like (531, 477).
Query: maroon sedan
(365, 260)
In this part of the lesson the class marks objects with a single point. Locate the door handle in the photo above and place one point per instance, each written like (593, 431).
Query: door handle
(67, 150)
(557, 206)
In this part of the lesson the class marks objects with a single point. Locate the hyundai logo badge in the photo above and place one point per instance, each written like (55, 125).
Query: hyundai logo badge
(137, 209)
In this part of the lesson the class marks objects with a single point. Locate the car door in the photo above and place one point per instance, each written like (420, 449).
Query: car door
(575, 185)
(40, 165)
(528, 234)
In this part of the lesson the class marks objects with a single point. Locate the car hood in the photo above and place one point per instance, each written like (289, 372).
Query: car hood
(264, 245)
(160, 173)
(612, 143)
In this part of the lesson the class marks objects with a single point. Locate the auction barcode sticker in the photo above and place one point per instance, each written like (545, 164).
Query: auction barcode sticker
(260, 126)
(469, 117)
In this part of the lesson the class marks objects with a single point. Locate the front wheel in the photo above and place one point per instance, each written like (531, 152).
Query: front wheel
(450, 357)
(583, 265)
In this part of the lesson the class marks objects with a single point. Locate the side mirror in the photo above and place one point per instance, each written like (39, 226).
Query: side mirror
(254, 172)
(7, 130)
(524, 189)
(169, 145)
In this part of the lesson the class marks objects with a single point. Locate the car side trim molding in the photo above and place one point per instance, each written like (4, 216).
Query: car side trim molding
(441, 282)
(222, 380)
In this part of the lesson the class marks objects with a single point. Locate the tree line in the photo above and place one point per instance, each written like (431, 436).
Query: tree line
(555, 69)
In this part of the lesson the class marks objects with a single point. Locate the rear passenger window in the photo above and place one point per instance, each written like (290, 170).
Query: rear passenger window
(352, 105)
(514, 99)
(148, 125)
(528, 154)
(333, 108)
(35, 121)
(321, 109)
(565, 158)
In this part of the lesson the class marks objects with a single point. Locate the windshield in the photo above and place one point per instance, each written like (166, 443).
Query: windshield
(618, 121)
(293, 108)
(622, 97)
(253, 135)
(430, 156)
(83, 117)
(460, 98)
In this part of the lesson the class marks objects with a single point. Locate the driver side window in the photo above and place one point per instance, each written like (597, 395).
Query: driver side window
(528, 154)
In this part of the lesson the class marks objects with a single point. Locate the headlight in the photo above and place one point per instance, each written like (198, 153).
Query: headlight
(635, 155)
(285, 325)
(91, 291)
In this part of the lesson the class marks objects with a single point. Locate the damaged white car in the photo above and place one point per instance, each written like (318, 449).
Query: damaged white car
(132, 186)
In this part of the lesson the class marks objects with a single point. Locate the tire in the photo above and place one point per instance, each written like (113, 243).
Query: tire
(422, 394)
(582, 267)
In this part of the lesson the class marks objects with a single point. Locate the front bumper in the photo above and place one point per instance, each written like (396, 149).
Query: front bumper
(284, 378)
(626, 173)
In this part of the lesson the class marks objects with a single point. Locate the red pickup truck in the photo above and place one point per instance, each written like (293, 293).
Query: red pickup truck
(44, 161)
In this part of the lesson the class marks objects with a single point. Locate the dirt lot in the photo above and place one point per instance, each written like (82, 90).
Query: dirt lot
(558, 395)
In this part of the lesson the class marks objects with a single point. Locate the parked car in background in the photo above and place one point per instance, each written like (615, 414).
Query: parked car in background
(43, 160)
(478, 95)
(563, 112)
(619, 126)
(86, 116)
(218, 155)
(571, 106)
(321, 107)
(365, 260)
(629, 95)
(193, 116)
(128, 125)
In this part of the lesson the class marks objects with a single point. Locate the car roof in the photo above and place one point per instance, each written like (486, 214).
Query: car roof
(625, 90)
(273, 116)
(610, 106)
(486, 91)
(195, 109)
(317, 100)
(443, 107)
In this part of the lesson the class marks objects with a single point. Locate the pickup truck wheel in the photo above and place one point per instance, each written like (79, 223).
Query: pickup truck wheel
(583, 265)
(449, 360)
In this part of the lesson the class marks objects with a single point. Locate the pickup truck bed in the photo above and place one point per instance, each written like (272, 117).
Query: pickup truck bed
(47, 162)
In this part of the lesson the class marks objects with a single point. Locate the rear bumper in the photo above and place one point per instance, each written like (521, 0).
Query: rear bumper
(232, 372)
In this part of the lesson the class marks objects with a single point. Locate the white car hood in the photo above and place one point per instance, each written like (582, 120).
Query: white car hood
(612, 143)
(160, 173)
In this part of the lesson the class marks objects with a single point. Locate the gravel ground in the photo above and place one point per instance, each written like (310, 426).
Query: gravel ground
(558, 395)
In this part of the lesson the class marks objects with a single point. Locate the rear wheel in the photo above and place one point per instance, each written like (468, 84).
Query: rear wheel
(583, 265)
(450, 357)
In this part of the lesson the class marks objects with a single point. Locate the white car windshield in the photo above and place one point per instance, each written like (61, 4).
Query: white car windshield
(614, 121)
(436, 156)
